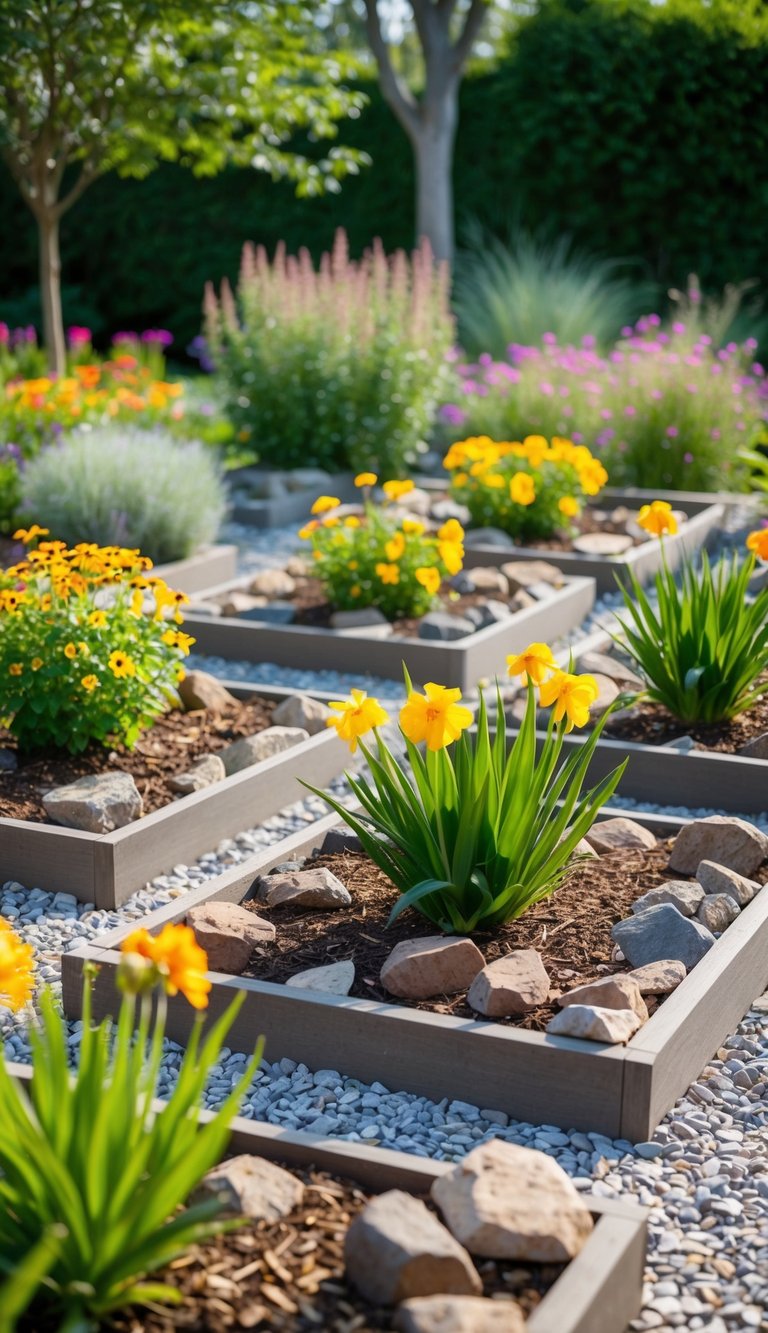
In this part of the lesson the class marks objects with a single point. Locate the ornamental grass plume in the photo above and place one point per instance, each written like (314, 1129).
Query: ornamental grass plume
(475, 828)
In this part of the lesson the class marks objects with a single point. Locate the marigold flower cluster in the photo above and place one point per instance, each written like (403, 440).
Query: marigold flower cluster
(529, 488)
(90, 648)
(172, 960)
(383, 557)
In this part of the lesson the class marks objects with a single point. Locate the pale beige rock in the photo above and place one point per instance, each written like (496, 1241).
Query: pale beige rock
(684, 894)
(619, 991)
(433, 965)
(607, 694)
(717, 911)
(263, 745)
(298, 566)
(301, 710)
(199, 690)
(317, 887)
(594, 1023)
(229, 934)
(98, 803)
(272, 583)
(510, 985)
(731, 842)
(251, 1187)
(459, 1314)
(334, 978)
(526, 573)
(614, 834)
(396, 1249)
(208, 769)
(487, 579)
(521, 600)
(659, 978)
(719, 879)
(603, 664)
(602, 543)
(238, 603)
(506, 1202)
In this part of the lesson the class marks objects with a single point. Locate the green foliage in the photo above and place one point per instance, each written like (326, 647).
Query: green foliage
(18, 1290)
(340, 367)
(518, 290)
(142, 489)
(88, 1156)
(703, 651)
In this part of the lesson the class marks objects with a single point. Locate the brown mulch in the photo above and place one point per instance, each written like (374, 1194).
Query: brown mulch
(169, 747)
(571, 929)
(651, 724)
(289, 1275)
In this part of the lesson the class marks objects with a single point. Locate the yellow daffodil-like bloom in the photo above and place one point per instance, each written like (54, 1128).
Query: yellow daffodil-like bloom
(15, 669)
(395, 490)
(436, 716)
(452, 555)
(120, 664)
(451, 531)
(70, 651)
(429, 578)
(568, 506)
(412, 527)
(657, 518)
(90, 683)
(395, 547)
(97, 619)
(17, 967)
(534, 663)
(388, 573)
(366, 479)
(27, 535)
(757, 543)
(308, 529)
(36, 663)
(359, 715)
(325, 502)
(572, 696)
(522, 490)
(178, 962)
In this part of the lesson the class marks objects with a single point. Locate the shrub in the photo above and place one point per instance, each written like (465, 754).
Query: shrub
(382, 559)
(662, 410)
(341, 367)
(473, 836)
(85, 653)
(703, 651)
(529, 489)
(140, 488)
(519, 291)
(89, 1163)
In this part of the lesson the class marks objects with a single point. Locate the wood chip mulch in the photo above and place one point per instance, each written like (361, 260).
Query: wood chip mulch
(652, 724)
(167, 748)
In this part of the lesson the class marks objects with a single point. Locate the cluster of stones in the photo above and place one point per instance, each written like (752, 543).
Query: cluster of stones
(502, 1202)
(618, 531)
(103, 802)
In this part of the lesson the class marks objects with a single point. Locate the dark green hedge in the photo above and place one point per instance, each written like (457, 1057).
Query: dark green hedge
(638, 128)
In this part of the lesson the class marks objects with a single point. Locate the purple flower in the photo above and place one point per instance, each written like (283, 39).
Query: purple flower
(161, 337)
(715, 434)
(452, 414)
(627, 331)
(606, 413)
(78, 335)
(5, 334)
(119, 338)
(688, 456)
(588, 340)
(654, 321)
(549, 339)
(630, 411)
(546, 388)
(672, 432)
(200, 350)
(677, 327)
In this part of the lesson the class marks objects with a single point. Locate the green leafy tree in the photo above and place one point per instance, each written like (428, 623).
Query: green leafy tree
(91, 86)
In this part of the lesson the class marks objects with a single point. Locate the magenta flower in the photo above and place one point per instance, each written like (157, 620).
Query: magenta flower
(687, 456)
(161, 337)
(630, 411)
(677, 327)
(672, 432)
(452, 414)
(78, 335)
(5, 334)
(120, 338)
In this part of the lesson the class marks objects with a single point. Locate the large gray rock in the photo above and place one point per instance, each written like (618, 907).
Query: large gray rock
(316, 887)
(98, 804)
(611, 835)
(301, 710)
(604, 664)
(482, 578)
(396, 1249)
(208, 769)
(263, 745)
(237, 603)
(229, 934)
(730, 842)
(333, 979)
(440, 625)
(489, 537)
(488, 613)
(659, 978)
(248, 1186)
(369, 619)
(459, 1314)
(717, 911)
(506, 1202)
(662, 932)
(684, 894)
(199, 690)
(527, 573)
(757, 748)
(592, 1022)
(620, 991)
(510, 985)
(433, 965)
(719, 879)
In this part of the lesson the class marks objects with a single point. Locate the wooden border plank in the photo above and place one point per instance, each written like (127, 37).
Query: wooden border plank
(194, 574)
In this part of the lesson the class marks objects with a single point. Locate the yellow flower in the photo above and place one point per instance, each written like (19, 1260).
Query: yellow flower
(97, 619)
(571, 695)
(436, 716)
(178, 960)
(521, 489)
(359, 715)
(568, 506)
(36, 663)
(355, 590)
(533, 663)
(15, 669)
(366, 479)
(592, 477)
(657, 518)
(412, 527)
(429, 578)
(27, 535)
(388, 573)
(452, 555)
(90, 683)
(70, 651)
(17, 966)
(395, 490)
(120, 664)
(352, 521)
(323, 503)
(353, 565)
(308, 529)
(757, 542)
(395, 547)
(494, 481)
(137, 602)
(451, 531)
(332, 521)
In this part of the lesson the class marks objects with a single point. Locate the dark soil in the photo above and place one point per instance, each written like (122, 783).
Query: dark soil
(289, 1275)
(168, 748)
(314, 609)
(571, 929)
(652, 724)
(586, 522)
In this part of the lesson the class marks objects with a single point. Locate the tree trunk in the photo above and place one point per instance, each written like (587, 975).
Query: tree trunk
(50, 292)
(433, 152)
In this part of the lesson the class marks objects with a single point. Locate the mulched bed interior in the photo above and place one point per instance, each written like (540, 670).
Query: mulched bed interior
(168, 748)
(651, 724)
(571, 929)
(289, 1275)
(587, 522)
(314, 609)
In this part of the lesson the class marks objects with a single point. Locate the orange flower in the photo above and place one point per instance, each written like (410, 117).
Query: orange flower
(757, 543)
(17, 965)
(532, 663)
(657, 518)
(388, 573)
(180, 965)
(395, 490)
(521, 489)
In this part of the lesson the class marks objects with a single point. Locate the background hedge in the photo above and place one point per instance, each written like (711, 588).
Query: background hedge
(640, 129)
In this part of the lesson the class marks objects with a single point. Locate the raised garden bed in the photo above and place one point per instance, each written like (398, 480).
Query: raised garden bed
(599, 1291)
(622, 1091)
(268, 498)
(211, 565)
(106, 868)
(459, 662)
